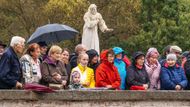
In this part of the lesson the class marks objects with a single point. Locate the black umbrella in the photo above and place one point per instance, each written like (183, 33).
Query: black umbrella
(52, 33)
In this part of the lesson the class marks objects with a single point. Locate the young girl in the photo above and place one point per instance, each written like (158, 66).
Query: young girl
(75, 81)
(87, 74)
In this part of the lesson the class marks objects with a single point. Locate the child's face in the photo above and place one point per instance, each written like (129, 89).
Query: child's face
(84, 60)
(76, 78)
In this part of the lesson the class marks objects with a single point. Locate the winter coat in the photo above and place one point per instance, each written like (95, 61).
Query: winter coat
(153, 70)
(172, 76)
(87, 75)
(187, 71)
(75, 86)
(137, 76)
(121, 67)
(30, 69)
(73, 60)
(107, 73)
(154, 74)
(68, 69)
(10, 69)
(49, 69)
(92, 53)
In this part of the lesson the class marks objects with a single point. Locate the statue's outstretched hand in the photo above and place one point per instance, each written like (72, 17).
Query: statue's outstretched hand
(109, 30)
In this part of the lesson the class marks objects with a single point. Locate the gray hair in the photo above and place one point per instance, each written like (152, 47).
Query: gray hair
(79, 48)
(16, 40)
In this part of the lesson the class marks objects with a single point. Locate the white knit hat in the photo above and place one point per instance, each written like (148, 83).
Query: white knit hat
(171, 56)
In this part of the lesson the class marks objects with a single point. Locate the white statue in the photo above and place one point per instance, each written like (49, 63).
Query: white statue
(93, 20)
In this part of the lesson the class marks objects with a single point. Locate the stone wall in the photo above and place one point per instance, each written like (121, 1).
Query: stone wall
(20, 98)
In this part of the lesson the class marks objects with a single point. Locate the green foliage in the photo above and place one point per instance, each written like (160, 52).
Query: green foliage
(164, 22)
(137, 24)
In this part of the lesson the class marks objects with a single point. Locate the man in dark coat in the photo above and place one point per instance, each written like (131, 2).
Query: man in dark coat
(74, 56)
(10, 70)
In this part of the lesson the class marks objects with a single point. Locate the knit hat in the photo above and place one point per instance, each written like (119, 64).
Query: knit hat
(171, 56)
(117, 50)
(175, 48)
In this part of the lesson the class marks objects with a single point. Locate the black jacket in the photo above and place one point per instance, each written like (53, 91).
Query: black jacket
(137, 76)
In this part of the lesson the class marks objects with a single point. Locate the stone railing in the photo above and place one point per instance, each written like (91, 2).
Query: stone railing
(20, 98)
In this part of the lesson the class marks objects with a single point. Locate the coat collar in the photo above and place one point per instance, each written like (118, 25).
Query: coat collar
(167, 66)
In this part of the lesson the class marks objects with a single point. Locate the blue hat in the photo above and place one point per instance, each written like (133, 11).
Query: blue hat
(117, 50)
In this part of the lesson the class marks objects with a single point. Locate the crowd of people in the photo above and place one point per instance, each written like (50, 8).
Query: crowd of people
(86, 69)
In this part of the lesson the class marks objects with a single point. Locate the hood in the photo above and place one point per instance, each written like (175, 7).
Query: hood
(136, 54)
(117, 50)
(49, 61)
(92, 53)
(103, 55)
(152, 51)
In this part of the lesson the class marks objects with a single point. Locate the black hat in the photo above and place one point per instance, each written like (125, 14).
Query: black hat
(92, 53)
(137, 54)
(1, 44)
(42, 44)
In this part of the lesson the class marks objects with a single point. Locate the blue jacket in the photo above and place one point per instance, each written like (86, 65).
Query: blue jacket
(10, 69)
(172, 76)
(122, 69)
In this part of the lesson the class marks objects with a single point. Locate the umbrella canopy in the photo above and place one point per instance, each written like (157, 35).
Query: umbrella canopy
(52, 33)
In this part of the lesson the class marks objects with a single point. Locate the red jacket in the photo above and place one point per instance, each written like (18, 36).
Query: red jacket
(106, 73)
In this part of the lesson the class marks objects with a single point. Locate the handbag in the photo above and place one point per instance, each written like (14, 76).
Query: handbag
(136, 87)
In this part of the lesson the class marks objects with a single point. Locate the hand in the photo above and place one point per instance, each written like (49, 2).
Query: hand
(64, 82)
(177, 87)
(108, 30)
(108, 86)
(86, 83)
(18, 85)
(57, 77)
(145, 86)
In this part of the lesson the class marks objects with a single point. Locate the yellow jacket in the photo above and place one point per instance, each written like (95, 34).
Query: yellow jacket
(87, 75)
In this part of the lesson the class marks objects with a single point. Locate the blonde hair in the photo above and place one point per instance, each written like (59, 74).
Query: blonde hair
(54, 49)
(80, 56)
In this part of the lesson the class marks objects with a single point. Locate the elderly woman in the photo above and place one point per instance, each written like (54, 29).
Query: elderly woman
(87, 74)
(137, 76)
(153, 67)
(107, 74)
(52, 69)
(172, 74)
(10, 70)
(31, 64)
